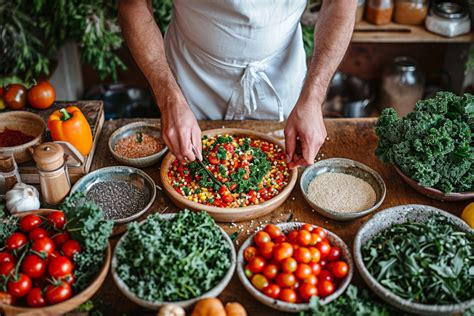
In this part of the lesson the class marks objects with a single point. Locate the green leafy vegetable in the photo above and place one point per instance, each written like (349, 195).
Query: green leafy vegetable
(173, 260)
(428, 263)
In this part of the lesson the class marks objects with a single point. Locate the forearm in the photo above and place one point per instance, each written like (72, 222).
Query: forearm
(332, 35)
(145, 42)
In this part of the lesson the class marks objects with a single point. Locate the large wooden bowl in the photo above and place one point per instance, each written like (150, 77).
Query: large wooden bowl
(221, 214)
(71, 303)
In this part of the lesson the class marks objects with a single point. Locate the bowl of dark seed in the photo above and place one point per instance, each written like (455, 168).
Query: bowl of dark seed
(342, 189)
(124, 193)
(137, 144)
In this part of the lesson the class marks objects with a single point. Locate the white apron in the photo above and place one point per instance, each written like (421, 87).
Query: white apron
(238, 59)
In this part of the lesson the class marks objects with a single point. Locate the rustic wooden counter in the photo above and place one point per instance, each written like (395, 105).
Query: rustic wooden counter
(348, 138)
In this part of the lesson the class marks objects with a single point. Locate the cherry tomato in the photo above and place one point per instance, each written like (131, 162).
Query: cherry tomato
(315, 267)
(280, 239)
(30, 221)
(6, 268)
(312, 279)
(340, 269)
(42, 95)
(334, 254)
(14, 96)
(266, 250)
(59, 293)
(16, 241)
(70, 248)
(302, 255)
(57, 218)
(286, 280)
(273, 230)
(282, 251)
(35, 298)
(323, 262)
(270, 271)
(324, 248)
(325, 288)
(6, 257)
(287, 295)
(19, 286)
(256, 265)
(315, 254)
(259, 281)
(303, 271)
(293, 236)
(213, 159)
(59, 267)
(44, 246)
(307, 227)
(250, 253)
(325, 275)
(69, 279)
(33, 266)
(315, 238)
(321, 232)
(289, 265)
(261, 238)
(60, 239)
(304, 237)
(307, 290)
(272, 291)
(37, 233)
(247, 271)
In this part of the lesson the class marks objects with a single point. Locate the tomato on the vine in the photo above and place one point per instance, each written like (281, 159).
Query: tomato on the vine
(272, 291)
(6, 268)
(334, 254)
(273, 230)
(60, 266)
(16, 241)
(6, 257)
(69, 279)
(37, 233)
(307, 290)
(28, 222)
(282, 251)
(286, 280)
(303, 271)
(325, 288)
(324, 248)
(302, 255)
(20, 285)
(340, 269)
(261, 238)
(35, 298)
(289, 265)
(70, 248)
(33, 266)
(44, 246)
(57, 218)
(60, 239)
(288, 295)
(259, 281)
(58, 293)
(256, 265)
(270, 271)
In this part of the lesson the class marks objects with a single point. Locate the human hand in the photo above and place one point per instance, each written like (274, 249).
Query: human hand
(304, 133)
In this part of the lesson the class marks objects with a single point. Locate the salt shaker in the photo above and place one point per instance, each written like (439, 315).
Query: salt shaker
(52, 169)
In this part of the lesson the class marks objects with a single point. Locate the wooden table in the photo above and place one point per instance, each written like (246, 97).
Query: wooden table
(347, 138)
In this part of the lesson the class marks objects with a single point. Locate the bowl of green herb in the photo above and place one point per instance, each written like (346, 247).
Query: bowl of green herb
(418, 258)
(173, 258)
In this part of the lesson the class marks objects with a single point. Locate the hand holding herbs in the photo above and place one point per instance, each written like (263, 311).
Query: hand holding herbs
(427, 263)
(173, 260)
(433, 144)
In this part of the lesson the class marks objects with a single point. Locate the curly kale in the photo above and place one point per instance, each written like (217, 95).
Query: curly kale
(433, 144)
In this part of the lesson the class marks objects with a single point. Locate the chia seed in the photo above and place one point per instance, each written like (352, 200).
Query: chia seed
(117, 199)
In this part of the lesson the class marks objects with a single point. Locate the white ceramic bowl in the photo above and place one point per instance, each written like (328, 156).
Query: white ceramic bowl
(290, 307)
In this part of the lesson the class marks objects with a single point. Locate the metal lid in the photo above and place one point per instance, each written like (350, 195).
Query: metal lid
(49, 156)
(449, 10)
(405, 63)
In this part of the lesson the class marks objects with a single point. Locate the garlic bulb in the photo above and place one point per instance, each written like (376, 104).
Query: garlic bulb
(21, 198)
(171, 310)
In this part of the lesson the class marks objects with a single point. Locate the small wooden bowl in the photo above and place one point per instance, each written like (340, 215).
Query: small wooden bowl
(237, 214)
(432, 192)
(71, 303)
(28, 123)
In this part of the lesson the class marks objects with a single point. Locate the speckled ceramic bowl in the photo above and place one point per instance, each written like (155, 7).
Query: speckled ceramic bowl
(385, 219)
(214, 292)
(289, 307)
(347, 166)
(132, 129)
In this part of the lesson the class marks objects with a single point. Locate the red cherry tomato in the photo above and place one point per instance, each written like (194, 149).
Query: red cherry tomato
(35, 298)
(293, 236)
(315, 267)
(6, 257)
(256, 265)
(334, 254)
(16, 241)
(273, 230)
(282, 251)
(37, 233)
(315, 254)
(324, 263)
(58, 219)
(266, 250)
(340, 269)
(261, 238)
(324, 248)
(307, 290)
(288, 295)
(302, 255)
(6, 268)
(69, 279)
(304, 237)
(307, 227)
(303, 271)
(325, 275)
(33, 266)
(250, 253)
(259, 281)
(60, 239)
(321, 232)
(60, 266)
(70, 248)
(315, 238)
(42, 95)
(289, 265)
(272, 291)
(19, 286)
(57, 294)
(280, 239)
(270, 271)
(325, 288)
(28, 222)
(312, 279)
(44, 246)
(285, 280)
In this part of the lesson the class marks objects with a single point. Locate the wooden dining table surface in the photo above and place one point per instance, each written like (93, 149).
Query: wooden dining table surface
(346, 138)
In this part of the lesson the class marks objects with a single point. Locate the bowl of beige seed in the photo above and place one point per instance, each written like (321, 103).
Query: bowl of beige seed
(342, 189)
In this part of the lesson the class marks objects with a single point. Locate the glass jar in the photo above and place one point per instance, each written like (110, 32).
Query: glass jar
(403, 84)
(360, 10)
(448, 19)
(379, 11)
(411, 12)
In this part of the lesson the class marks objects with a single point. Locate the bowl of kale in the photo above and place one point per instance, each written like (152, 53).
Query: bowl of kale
(432, 148)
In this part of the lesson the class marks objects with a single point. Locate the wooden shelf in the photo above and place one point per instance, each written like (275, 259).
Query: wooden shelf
(365, 32)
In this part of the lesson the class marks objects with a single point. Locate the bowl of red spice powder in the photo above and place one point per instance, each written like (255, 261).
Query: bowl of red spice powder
(20, 131)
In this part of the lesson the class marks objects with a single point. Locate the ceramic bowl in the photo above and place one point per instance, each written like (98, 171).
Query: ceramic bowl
(221, 214)
(347, 166)
(135, 176)
(432, 192)
(27, 122)
(384, 220)
(133, 129)
(214, 292)
(289, 307)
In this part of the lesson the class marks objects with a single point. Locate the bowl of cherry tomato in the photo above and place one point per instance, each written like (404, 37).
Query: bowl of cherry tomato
(285, 265)
(37, 266)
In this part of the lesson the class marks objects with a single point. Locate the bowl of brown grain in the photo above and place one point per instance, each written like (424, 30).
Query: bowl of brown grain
(137, 144)
(342, 189)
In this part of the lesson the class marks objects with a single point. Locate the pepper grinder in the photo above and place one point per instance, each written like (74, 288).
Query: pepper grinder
(52, 169)
(9, 175)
